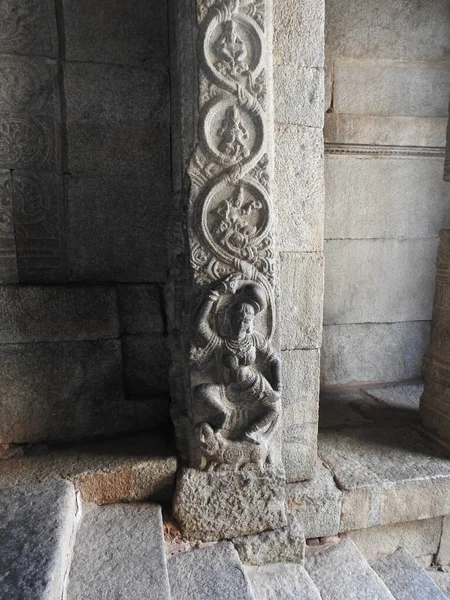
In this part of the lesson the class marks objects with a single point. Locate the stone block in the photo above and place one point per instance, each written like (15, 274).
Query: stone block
(382, 197)
(342, 573)
(144, 148)
(141, 308)
(300, 187)
(116, 229)
(385, 281)
(419, 132)
(30, 30)
(316, 504)
(206, 573)
(339, 407)
(401, 397)
(286, 581)
(119, 552)
(402, 30)
(442, 580)
(301, 299)
(419, 538)
(405, 578)
(9, 272)
(97, 92)
(29, 142)
(285, 545)
(384, 89)
(146, 363)
(373, 352)
(299, 451)
(443, 556)
(209, 506)
(109, 31)
(298, 33)
(36, 537)
(299, 96)
(50, 314)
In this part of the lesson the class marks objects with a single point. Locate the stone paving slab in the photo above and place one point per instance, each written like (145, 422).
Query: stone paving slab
(119, 553)
(209, 573)
(36, 529)
(441, 579)
(342, 573)
(405, 578)
(282, 581)
(403, 397)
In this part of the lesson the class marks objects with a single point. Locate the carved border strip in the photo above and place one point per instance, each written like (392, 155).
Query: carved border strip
(397, 151)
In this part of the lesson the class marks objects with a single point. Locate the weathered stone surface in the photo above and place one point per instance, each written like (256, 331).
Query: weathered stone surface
(342, 407)
(441, 579)
(393, 198)
(206, 573)
(301, 389)
(31, 30)
(405, 578)
(400, 89)
(386, 475)
(29, 142)
(115, 93)
(285, 581)
(298, 33)
(119, 552)
(300, 183)
(146, 363)
(399, 288)
(403, 30)
(210, 506)
(300, 451)
(419, 538)
(342, 572)
(403, 397)
(97, 32)
(285, 545)
(301, 298)
(141, 309)
(316, 504)
(443, 556)
(389, 131)
(37, 523)
(358, 352)
(127, 243)
(299, 96)
(49, 314)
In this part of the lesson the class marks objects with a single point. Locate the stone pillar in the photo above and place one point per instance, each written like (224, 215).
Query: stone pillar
(226, 372)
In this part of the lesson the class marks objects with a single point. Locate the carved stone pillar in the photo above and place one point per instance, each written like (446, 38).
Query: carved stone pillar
(226, 387)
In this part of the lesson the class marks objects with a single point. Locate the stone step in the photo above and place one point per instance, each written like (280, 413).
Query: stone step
(37, 524)
(211, 573)
(119, 553)
(282, 581)
(341, 572)
(406, 579)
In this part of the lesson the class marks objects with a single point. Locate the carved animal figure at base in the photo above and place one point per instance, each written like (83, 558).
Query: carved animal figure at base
(219, 452)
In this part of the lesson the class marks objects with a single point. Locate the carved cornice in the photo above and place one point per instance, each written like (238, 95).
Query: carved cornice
(392, 151)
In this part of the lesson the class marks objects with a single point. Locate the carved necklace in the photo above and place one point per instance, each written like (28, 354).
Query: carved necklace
(239, 347)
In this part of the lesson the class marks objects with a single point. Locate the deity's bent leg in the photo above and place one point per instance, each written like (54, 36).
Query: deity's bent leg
(207, 405)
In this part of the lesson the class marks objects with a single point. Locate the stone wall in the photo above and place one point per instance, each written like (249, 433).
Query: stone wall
(388, 75)
(85, 193)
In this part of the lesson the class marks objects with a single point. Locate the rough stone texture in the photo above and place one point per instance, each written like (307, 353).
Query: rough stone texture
(50, 314)
(405, 578)
(300, 187)
(402, 397)
(146, 364)
(342, 407)
(210, 506)
(381, 212)
(401, 30)
(37, 523)
(143, 38)
(119, 552)
(127, 242)
(342, 572)
(387, 475)
(299, 467)
(400, 89)
(141, 309)
(388, 131)
(129, 469)
(286, 581)
(357, 352)
(285, 545)
(419, 538)
(301, 292)
(443, 556)
(299, 96)
(441, 579)
(316, 504)
(390, 281)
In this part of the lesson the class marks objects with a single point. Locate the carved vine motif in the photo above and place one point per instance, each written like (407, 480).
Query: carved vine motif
(235, 372)
(19, 22)
(23, 142)
(23, 85)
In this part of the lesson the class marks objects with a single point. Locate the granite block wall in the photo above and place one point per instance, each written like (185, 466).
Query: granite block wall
(85, 191)
(387, 82)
